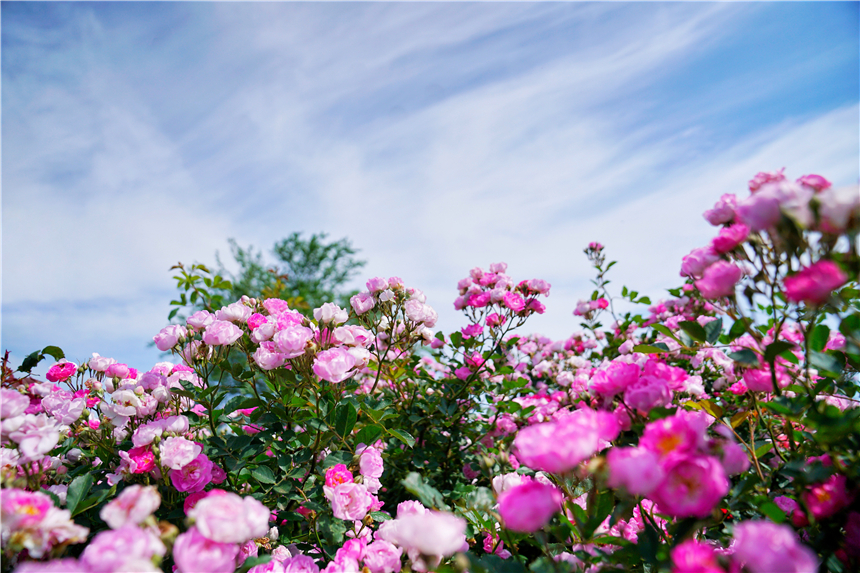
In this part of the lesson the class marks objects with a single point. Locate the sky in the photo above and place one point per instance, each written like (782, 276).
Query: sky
(436, 137)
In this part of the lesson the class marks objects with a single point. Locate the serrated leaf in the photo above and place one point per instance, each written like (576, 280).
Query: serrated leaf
(263, 474)
(745, 357)
(694, 329)
(403, 436)
(345, 417)
(78, 489)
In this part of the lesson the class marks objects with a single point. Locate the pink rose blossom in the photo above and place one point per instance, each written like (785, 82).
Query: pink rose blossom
(382, 557)
(300, 564)
(350, 501)
(194, 553)
(99, 363)
(61, 371)
(684, 432)
(761, 210)
(813, 284)
(648, 393)
(293, 340)
(330, 313)
(229, 518)
(267, 356)
(128, 548)
(615, 378)
(719, 280)
(334, 365)
(693, 556)
(695, 263)
(827, 498)
(730, 237)
(337, 475)
(169, 336)
(692, 487)
(370, 463)
(132, 506)
(514, 301)
(558, 447)
(526, 508)
(763, 178)
(723, 211)
(177, 452)
(200, 319)
(766, 547)
(194, 476)
(235, 312)
(837, 206)
(635, 469)
(221, 333)
(816, 182)
(362, 302)
(431, 533)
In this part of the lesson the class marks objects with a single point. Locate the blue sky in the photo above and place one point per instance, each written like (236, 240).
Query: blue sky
(437, 137)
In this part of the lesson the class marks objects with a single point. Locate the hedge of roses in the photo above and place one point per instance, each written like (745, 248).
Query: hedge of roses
(717, 431)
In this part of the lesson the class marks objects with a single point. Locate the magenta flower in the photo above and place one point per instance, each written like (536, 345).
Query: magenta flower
(813, 284)
(719, 280)
(193, 552)
(61, 371)
(528, 507)
(765, 547)
(692, 487)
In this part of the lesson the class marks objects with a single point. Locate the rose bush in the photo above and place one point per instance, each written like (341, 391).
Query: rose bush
(716, 430)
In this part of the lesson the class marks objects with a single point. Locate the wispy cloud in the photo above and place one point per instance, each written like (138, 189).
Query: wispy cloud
(436, 136)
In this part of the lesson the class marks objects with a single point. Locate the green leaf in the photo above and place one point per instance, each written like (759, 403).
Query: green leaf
(379, 516)
(763, 449)
(776, 348)
(694, 329)
(662, 329)
(826, 363)
(738, 328)
(771, 510)
(345, 417)
(713, 330)
(651, 348)
(403, 436)
(263, 474)
(31, 361)
(253, 562)
(819, 336)
(368, 435)
(745, 357)
(54, 351)
(78, 489)
(426, 493)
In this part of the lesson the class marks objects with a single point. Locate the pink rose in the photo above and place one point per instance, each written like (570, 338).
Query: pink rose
(337, 475)
(128, 548)
(719, 280)
(194, 476)
(293, 340)
(330, 313)
(370, 463)
(431, 533)
(334, 365)
(813, 284)
(514, 301)
(763, 178)
(350, 501)
(362, 302)
(528, 507)
(761, 210)
(635, 469)
(558, 447)
(613, 379)
(692, 487)
(177, 452)
(61, 371)
(222, 333)
(648, 393)
(169, 336)
(693, 556)
(816, 182)
(765, 547)
(695, 263)
(267, 357)
(235, 312)
(194, 553)
(132, 506)
(377, 284)
(200, 319)
(723, 211)
(229, 518)
(382, 557)
(827, 498)
(300, 564)
(730, 237)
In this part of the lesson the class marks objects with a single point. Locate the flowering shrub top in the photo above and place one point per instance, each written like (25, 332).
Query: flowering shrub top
(718, 431)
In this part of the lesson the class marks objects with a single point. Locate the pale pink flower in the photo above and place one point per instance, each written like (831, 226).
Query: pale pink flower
(100, 363)
(195, 553)
(719, 280)
(267, 356)
(762, 178)
(300, 564)
(229, 518)
(200, 319)
(382, 557)
(432, 533)
(194, 476)
(132, 506)
(558, 447)
(647, 393)
(235, 312)
(723, 211)
(128, 548)
(370, 463)
(362, 302)
(613, 379)
(221, 333)
(169, 336)
(293, 340)
(350, 501)
(761, 210)
(377, 284)
(730, 237)
(837, 206)
(177, 452)
(12, 403)
(813, 284)
(528, 507)
(766, 547)
(334, 365)
(635, 469)
(36, 436)
(695, 263)
(330, 313)
(816, 182)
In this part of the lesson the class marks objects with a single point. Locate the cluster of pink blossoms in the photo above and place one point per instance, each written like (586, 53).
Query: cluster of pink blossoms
(810, 202)
(495, 296)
